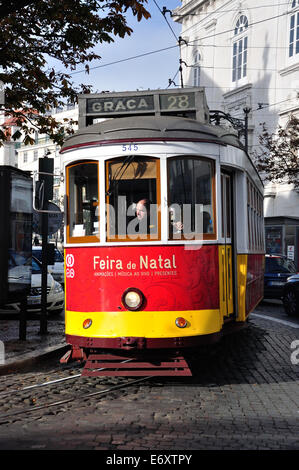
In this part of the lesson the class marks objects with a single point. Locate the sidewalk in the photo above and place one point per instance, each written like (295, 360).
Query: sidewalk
(19, 354)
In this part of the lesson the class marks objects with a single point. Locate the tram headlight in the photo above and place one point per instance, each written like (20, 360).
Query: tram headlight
(132, 298)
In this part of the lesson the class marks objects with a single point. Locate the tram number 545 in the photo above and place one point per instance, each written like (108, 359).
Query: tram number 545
(129, 148)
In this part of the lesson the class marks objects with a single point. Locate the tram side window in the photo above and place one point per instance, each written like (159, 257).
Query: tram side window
(255, 217)
(83, 207)
(133, 198)
(191, 198)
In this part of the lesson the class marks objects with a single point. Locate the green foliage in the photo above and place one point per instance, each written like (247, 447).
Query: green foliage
(65, 30)
(278, 159)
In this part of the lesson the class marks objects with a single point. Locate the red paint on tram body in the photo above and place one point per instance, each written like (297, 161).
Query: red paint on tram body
(170, 277)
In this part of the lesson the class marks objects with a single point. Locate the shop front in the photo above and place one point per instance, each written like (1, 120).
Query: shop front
(282, 237)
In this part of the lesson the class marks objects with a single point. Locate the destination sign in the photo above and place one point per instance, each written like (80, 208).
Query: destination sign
(188, 102)
(115, 105)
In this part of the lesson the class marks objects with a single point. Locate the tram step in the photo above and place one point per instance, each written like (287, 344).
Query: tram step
(112, 365)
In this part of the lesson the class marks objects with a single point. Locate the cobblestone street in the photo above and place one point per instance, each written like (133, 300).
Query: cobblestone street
(243, 395)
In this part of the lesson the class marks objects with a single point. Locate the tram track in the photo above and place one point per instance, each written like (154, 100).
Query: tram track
(21, 394)
(50, 382)
(5, 418)
(44, 384)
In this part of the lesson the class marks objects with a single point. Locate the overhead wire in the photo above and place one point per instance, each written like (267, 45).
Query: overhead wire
(233, 29)
(171, 29)
(229, 11)
(119, 61)
(179, 42)
(145, 54)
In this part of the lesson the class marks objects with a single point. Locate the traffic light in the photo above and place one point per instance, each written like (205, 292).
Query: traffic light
(50, 253)
(46, 178)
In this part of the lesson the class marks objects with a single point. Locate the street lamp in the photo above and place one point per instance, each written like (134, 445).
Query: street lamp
(241, 125)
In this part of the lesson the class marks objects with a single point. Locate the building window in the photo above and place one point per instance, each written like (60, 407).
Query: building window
(56, 195)
(56, 179)
(240, 45)
(196, 69)
(294, 29)
(35, 155)
(25, 157)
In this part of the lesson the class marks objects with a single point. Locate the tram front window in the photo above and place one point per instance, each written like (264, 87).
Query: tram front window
(191, 198)
(132, 191)
(83, 217)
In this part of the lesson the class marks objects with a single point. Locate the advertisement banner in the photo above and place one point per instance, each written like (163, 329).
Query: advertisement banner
(170, 277)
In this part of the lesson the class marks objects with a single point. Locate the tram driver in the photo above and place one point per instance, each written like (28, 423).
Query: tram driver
(143, 215)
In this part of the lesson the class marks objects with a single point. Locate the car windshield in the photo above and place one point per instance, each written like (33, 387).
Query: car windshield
(37, 254)
(279, 265)
(58, 256)
(36, 269)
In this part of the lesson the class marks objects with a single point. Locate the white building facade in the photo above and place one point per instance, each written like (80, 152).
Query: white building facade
(246, 55)
(8, 151)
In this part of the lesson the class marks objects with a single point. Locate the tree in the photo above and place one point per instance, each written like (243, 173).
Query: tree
(65, 30)
(278, 159)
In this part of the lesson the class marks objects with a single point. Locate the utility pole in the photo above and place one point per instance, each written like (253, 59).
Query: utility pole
(181, 68)
(246, 112)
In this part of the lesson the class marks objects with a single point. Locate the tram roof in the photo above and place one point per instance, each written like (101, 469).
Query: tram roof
(166, 128)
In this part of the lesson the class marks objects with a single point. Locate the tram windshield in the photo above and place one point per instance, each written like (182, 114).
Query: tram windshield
(133, 199)
(191, 198)
(132, 191)
(83, 200)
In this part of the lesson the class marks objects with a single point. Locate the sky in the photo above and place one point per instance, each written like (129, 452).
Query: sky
(150, 72)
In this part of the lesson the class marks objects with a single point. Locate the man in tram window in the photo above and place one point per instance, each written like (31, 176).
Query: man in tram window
(143, 216)
(142, 224)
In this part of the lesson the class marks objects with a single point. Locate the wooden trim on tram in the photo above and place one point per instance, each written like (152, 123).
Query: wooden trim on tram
(136, 238)
(87, 238)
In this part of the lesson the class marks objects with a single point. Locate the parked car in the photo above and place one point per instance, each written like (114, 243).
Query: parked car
(55, 293)
(19, 271)
(277, 270)
(290, 297)
(56, 269)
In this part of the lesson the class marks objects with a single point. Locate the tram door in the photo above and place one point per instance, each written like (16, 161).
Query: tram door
(226, 249)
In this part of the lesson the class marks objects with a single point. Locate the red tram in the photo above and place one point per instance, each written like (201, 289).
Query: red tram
(164, 242)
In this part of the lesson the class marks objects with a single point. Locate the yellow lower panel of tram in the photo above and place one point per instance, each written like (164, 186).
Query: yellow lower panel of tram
(242, 279)
(226, 299)
(226, 290)
(143, 324)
